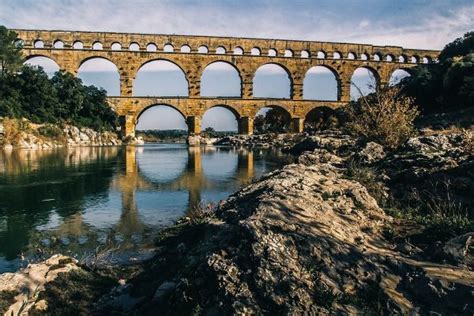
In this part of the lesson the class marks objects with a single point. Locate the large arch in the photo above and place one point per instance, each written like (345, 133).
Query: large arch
(160, 117)
(397, 76)
(221, 79)
(272, 118)
(220, 118)
(160, 77)
(272, 81)
(102, 73)
(364, 81)
(49, 65)
(321, 83)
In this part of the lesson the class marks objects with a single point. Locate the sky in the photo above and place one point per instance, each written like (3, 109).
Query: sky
(411, 24)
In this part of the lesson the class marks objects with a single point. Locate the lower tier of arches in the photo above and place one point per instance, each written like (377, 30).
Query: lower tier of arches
(129, 110)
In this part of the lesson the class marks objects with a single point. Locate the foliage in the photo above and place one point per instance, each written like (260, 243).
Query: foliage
(385, 117)
(12, 130)
(448, 84)
(321, 118)
(63, 98)
(276, 120)
(51, 131)
(153, 135)
(10, 51)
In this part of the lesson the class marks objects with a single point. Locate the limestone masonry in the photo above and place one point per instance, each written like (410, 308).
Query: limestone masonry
(69, 49)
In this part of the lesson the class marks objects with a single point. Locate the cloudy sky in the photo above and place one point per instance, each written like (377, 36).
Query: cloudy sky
(411, 24)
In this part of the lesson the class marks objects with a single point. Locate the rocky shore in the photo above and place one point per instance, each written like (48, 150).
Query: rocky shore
(22, 134)
(338, 232)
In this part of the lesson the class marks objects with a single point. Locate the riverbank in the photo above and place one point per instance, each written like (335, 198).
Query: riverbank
(22, 134)
(337, 232)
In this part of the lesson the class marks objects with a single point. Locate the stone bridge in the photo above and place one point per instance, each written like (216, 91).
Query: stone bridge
(70, 49)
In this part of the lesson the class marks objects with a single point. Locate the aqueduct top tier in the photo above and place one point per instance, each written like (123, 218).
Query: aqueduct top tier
(69, 49)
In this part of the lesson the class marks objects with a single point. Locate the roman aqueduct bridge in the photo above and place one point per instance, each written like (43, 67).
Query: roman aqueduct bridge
(70, 49)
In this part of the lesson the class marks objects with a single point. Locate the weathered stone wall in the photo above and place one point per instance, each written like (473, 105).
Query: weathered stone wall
(381, 60)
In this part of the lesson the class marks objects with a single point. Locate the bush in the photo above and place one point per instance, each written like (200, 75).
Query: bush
(51, 132)
(12, 130)
(385, 117)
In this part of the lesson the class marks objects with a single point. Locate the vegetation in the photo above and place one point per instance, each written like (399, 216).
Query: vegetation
(386, 117)
(27, 92)
(448, 84)
(276, 120)
(156, 136)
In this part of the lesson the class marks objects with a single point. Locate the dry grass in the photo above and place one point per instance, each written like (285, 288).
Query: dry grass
(386, 117)
(12, 130)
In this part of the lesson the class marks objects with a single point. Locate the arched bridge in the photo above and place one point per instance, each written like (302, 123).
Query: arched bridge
(129, 52)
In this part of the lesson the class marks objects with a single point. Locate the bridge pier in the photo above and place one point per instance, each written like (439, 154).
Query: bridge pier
(297, 125)
(194, 125)
(245, 125)
(127, 125)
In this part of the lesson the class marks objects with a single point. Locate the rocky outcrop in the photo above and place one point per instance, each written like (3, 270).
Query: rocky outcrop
(261, 140)
(26, 284)
(303, 239)
(33, 136)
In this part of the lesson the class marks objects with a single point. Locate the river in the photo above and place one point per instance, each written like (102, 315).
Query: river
(114, 200)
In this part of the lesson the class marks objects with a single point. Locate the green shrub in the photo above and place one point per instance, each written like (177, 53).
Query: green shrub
(386, 117)
(51, 132)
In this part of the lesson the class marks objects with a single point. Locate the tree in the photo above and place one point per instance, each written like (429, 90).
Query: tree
(276, 120)
(10, 52)
(448, 84)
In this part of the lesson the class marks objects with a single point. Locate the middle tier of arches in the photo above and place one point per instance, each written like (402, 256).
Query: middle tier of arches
(314, 80)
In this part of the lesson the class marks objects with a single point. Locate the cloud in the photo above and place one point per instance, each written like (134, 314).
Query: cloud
(364, 23)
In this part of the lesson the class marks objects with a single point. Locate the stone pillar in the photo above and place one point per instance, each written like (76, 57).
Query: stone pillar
(345, 91)
(247, 89)
(297, 91)
(127, 123)
(246, 125)
(194, 125)
(194, 88)
(126, 85)
(297, 125)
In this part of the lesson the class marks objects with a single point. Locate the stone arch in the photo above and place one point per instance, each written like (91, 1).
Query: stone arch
(288, 53)
(414, 59)
(221, 50)
(336, 55)
(351, 55)
(58, 44)
(402, 59)
(377, 57)
(280, 82)
(175, 81)
(320, 117)
(142, 109)
(210, 116)
(78, 45)
(305, 54)
(210, 82)
(389, 57)
(134, 47)
(255, 51)
(101, 72)
(364, 80)
(151, 47)
(203, 49)
(325, 84)
(185, 48)
(272, 52)
(321, 54)
(38, 44)
(116, 46)
(97, 46)
(49, 65)
(364, 56)
(168, 48)
(398, 75)
(238, 50)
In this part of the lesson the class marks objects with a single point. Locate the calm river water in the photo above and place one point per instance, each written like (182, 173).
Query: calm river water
(80, 200)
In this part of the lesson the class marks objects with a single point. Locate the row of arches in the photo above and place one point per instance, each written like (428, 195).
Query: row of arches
(255, 51)
(220, 118)
(221, 79)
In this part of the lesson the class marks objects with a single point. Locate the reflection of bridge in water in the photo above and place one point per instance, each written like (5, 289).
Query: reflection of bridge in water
(192, 178)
